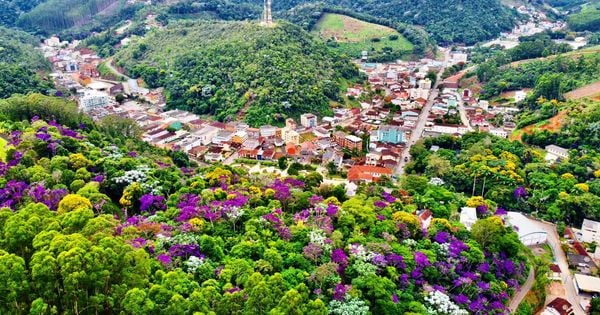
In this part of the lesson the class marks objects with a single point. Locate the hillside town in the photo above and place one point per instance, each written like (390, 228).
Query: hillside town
(365, 143)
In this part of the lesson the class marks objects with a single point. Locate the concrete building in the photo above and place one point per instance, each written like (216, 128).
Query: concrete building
(391, 134)
(499, 132)
(554, 152)
(206, 134)
(93, 99)
(586, 284)
(425, 84)
(353, 143)
(528, 230)
(308, 120)
(590, 231)
(520, 96)
(268, 131)
(291, 136)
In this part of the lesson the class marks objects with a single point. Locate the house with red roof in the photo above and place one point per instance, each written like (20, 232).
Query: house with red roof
(367, 173)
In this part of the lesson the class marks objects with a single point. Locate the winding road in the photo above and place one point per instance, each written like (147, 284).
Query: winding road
(516, 300)
(115, 71)
(561, 261)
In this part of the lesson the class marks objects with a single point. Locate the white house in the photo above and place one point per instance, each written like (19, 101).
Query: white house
(206, 134)
(554, 152)
(308, 120)
(500, 132)
(590, 231)
(468, 217)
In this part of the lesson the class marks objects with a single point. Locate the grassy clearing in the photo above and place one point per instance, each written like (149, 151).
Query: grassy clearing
(352, 36)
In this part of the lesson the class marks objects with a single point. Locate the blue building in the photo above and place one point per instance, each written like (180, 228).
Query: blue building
(391, 134)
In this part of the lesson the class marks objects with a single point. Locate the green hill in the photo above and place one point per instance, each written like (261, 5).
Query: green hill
(233, 69)
(19, 64)
(352, 36)
(10, 10)
(78, 17)
(587, 19)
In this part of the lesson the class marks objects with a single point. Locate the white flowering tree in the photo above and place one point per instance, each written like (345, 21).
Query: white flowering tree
(440, 304)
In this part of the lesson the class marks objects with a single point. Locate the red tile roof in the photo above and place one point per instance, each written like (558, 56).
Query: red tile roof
(367, 173)
(562, 306)
(555, 268)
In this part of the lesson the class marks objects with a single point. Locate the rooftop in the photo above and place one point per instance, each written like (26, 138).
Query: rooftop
(587, 283)
(524, 225)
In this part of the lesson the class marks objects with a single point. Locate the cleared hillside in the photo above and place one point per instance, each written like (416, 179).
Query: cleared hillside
(352, 36)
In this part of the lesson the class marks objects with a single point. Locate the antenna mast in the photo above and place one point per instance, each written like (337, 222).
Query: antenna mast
(267, 17)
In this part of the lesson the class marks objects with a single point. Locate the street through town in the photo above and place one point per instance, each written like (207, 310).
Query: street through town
(417, 133)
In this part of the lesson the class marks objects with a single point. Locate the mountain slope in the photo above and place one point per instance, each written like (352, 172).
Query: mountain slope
(10, 10)
(448, 21)
(19, 62)
(219, 68)
(54, 16)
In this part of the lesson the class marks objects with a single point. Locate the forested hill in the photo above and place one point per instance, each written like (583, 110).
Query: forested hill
(447, 21)
(19, 62)
(10, 10)
(56, 15)
(240, 68)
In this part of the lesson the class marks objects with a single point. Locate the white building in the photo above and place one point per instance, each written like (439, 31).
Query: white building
(425, 84)
(461, 130)
(206, 134)
(268, 131)
(590, 231)
(485, 105)
(308, 120)
(520, 96)
(499, 132)
(586, 284)
(93, 99)
(468, 217)
(554, 152)
(530, 233)
(291, 136)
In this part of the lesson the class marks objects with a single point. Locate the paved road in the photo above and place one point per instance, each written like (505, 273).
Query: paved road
(516, 300)
(418, 131)
(115, 71)
(561, 261)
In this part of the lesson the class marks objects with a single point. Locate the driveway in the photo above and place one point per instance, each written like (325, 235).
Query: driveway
(516, 300)
(561, 261)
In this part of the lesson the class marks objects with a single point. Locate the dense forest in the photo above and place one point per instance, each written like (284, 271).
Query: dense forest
(284, 71)
(448, 21)
(550, 78)
(93, 221)
(10, 10)
(20, 63)
(586, 19)
(54, 16)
